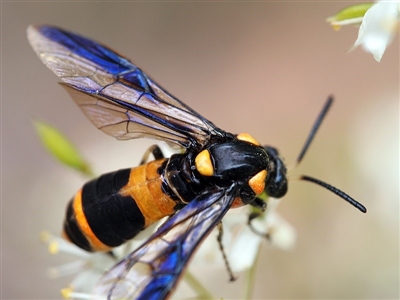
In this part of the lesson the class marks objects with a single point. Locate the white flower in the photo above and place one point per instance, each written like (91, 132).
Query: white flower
(378, 28)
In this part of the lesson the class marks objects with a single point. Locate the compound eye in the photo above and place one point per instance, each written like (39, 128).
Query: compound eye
(247, 138)
(204, 164)
(257, 182)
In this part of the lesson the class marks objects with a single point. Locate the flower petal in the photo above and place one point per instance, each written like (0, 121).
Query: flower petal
(246, 242)
(378, 28)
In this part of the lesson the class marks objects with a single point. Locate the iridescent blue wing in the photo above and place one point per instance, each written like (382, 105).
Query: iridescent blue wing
(152, 271)
(117, 96)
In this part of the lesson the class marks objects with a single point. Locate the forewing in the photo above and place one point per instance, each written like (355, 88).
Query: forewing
(152, 271)
(114, 93)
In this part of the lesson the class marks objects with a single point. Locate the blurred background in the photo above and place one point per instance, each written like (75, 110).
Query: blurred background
(263, 68)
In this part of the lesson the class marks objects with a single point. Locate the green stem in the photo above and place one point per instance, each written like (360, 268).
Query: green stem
(251, 278)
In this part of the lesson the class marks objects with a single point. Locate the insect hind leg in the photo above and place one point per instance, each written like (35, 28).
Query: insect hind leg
(221, 247)
(155, 150)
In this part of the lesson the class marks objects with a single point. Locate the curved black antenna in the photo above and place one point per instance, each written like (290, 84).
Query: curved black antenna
(315, 128)
(336, 191)
(303, 151)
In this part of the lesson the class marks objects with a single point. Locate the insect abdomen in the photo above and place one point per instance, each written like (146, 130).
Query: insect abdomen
(115, 207)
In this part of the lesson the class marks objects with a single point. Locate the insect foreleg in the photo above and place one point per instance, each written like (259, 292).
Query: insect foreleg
(262, 206)
(259, 203)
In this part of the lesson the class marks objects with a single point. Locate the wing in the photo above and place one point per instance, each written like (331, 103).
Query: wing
(114, 93)
(152, 271)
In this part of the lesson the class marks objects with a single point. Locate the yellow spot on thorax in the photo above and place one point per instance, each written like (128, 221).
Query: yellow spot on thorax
(204, 164)
(257, 182)
(247, 138)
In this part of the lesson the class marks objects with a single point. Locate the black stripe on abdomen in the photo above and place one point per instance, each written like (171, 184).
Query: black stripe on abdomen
(72, 230)
(113, 218)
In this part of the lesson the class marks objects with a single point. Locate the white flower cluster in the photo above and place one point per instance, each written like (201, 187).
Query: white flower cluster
(238, 238)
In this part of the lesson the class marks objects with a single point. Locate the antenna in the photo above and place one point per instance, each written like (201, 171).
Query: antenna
(315, 128)
(336, 191)
(303, 151)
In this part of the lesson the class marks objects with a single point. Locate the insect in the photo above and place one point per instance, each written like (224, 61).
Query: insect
(217, 171)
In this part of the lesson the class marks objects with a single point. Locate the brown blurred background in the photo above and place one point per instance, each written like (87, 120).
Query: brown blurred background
(263, 68)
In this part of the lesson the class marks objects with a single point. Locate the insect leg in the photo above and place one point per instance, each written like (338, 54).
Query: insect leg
(259, 203)
(155, 150)
(262, 206)
(221, 247)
